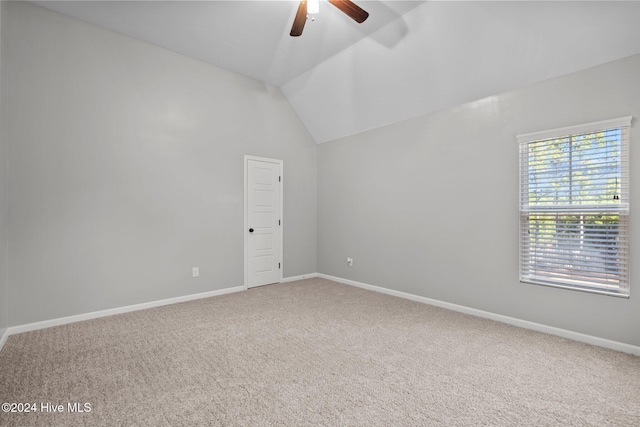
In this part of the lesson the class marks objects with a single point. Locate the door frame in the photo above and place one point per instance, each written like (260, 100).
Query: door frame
(279, 233)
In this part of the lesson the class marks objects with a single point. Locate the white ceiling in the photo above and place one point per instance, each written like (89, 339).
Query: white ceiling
(409, 58)
(457, 52)
(247, 37)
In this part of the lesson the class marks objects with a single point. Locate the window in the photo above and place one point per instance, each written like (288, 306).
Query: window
(574, 207)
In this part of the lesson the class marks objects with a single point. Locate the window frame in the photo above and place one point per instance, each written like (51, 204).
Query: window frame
(526, 210)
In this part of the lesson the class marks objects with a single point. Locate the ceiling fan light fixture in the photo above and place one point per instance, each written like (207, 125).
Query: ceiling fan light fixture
(313, 6)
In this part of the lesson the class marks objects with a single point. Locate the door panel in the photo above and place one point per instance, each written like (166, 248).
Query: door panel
(264, 219)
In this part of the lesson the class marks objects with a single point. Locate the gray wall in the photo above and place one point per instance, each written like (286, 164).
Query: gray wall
(429, 206)
(4, 195)
(127, 169)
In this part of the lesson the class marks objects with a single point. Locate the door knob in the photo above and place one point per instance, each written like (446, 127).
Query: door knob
(251, 230)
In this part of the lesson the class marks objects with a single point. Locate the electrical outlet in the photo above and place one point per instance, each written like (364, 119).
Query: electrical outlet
(195, 271)
(350, 261)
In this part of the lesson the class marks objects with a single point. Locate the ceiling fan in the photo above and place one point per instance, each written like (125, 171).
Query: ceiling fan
(351, 9)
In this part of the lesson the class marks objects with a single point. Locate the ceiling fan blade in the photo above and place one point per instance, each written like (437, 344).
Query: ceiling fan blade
(354, 11)
(299, 20)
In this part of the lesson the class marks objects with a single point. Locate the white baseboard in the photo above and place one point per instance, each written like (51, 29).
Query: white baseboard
(119, 310)
(3, 337)
(576, 336)
(301, 277)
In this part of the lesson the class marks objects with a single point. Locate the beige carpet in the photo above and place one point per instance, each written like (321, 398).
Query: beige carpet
(313, 352)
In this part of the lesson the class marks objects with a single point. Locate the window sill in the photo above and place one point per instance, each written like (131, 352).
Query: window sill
(579, 289)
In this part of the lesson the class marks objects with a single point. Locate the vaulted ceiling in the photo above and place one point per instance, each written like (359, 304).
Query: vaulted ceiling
(408, 59)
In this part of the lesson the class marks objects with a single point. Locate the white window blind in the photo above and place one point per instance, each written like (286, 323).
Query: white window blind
(574, 207)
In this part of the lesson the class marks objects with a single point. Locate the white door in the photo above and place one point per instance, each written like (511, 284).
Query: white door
(263, 221)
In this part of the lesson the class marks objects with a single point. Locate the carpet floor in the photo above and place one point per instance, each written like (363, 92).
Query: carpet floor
(308, 353)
